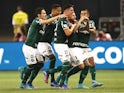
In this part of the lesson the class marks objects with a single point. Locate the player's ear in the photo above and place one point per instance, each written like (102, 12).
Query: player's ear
(38, 15)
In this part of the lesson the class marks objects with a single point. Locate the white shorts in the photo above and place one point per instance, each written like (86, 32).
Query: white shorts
(45, 49)
(32, 55)
(78, 55)
(63, 52)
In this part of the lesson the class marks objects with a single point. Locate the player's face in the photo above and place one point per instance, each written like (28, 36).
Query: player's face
(73, 16)
(57, 11)
(84, 13)
(43, 14)
(70, 11)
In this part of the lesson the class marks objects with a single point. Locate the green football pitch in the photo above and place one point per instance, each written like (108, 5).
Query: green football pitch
(113, 83)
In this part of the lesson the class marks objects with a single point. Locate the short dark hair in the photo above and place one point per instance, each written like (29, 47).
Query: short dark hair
(38, 10)
(67, 6)
(86, 10)
(54, 6)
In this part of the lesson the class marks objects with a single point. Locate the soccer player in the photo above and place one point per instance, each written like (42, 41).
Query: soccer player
(44, 45)
(62, 31)
(92, 29)
(80, 49)
(63, 56)
(33, 57)
(19, 22)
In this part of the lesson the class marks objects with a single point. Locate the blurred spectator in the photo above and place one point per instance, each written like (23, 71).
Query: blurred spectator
(102, 36)
(19, 22)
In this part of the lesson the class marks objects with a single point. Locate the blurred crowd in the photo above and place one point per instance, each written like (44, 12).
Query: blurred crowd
(103, 36)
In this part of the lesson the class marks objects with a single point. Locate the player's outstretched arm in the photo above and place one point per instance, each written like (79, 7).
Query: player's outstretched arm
(47, 21)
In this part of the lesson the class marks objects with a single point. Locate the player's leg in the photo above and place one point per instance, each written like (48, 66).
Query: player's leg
(72, 71)
(93, 73)
(51, 66)
(26, 75)
(76, 61)
(64, 56)
(53, 70)
(22, 70)
(83, 75)
(33, 75)
(36, 68)
(46, 50)
(50, 71)
(63, 74)
(79, 56)
(30, 57)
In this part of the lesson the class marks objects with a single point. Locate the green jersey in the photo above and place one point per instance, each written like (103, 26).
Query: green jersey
(49, 31)
(59, 35)
(81, 37)
(35, 32)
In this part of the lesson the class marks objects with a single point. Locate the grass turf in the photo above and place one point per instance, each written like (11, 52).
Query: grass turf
(113, 83)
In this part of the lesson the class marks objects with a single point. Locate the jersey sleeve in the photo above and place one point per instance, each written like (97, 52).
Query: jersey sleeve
(64, 24)
(38, 21)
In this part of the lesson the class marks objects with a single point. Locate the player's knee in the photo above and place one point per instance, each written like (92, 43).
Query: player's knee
(81, 66)
(91, 61)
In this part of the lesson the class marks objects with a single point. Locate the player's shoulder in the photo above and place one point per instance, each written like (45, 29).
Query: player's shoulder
(37, 21)
(62, 19)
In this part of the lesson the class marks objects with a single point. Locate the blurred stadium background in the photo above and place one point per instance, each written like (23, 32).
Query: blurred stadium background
(110, 9)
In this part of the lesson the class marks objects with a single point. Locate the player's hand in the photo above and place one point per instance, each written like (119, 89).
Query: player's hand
(84, 18)
(73, 25)
(70, 24)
